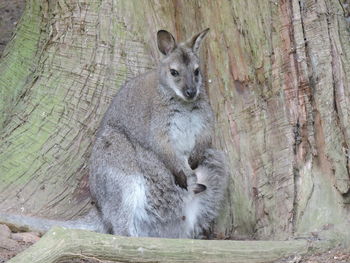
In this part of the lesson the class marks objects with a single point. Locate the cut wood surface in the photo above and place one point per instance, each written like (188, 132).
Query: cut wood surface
(61, 245)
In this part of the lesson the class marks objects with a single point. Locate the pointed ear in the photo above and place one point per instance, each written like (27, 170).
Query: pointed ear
(166, 42)
(195, 41)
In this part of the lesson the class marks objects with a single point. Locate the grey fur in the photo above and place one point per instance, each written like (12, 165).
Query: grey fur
(150, 137)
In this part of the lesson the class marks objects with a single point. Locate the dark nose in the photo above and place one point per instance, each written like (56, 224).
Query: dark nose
(190, 93)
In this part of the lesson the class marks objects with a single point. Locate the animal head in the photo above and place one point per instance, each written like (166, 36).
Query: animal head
(179, 69)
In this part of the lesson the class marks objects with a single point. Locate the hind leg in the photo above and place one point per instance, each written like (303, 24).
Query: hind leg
(124, 211)
(117, 184)
(136, 193)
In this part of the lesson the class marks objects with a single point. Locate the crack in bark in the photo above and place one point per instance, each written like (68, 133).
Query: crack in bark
(297, 128)
(296, 176)
(296, 131)
(297, 136)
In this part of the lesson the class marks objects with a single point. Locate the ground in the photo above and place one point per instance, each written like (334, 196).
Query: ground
(13, 243)
(339, 255)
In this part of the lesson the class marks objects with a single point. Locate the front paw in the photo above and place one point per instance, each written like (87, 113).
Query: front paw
(198, 188)
(181, 180)
(193, 163)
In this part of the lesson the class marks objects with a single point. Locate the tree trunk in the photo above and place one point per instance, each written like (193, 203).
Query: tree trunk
(278, 79)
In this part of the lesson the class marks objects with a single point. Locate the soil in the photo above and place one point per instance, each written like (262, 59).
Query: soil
(337, 255)
(13, 243)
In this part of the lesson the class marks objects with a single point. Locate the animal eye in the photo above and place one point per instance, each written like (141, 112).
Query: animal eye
(196, 72)
(174, 72)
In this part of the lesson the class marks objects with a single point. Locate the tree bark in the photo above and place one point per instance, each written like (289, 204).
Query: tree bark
(278, 79)
(60, 245)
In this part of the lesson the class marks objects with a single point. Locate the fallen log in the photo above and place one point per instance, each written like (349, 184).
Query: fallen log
(63, 245)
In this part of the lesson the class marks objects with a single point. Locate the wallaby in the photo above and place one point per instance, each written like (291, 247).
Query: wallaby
(153, 171)
(152, 158)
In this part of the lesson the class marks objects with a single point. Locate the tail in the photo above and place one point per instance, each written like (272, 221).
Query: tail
(91, 221)
(213, 173)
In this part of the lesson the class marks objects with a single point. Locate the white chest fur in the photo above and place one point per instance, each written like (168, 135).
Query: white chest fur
(184, 129)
